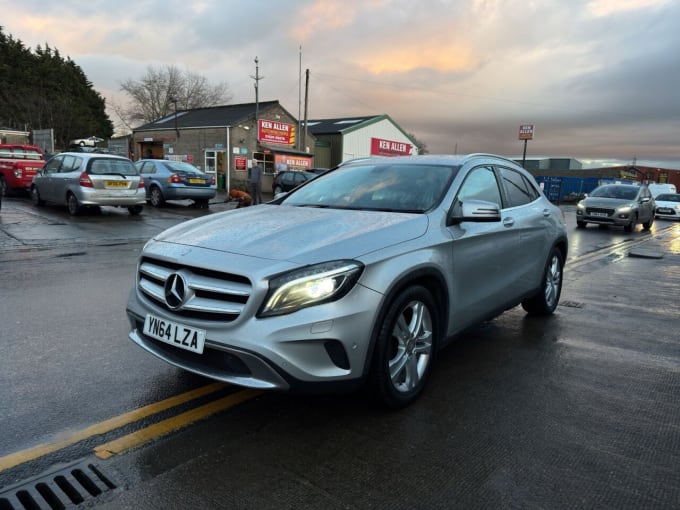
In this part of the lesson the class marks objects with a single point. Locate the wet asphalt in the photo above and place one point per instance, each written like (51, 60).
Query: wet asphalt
(577, 410)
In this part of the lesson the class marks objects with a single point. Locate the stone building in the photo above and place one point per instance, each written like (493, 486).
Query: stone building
(225, 140)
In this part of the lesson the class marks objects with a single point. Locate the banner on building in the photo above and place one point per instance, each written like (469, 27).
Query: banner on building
(382, 147)
(275, 132)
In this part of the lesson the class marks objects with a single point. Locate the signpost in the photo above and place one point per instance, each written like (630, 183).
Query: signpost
(526, 132)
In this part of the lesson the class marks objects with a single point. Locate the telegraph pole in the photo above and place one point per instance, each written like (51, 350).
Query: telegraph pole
(257, 79)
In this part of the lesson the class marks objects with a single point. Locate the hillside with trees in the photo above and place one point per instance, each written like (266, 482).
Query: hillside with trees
(40, 89)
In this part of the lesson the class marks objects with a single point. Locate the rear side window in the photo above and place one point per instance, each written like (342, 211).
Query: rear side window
(518, 189)
(70, 164)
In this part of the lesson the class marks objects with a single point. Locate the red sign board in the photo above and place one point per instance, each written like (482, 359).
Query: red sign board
(275, 132)
(240, 163)
(526, 132)
(382, 147)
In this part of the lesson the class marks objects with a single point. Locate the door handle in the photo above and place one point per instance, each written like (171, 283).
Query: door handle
(508, 222)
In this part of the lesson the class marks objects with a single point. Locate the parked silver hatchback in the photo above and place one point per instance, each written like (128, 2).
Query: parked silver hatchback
(82, 179)
(356, 277)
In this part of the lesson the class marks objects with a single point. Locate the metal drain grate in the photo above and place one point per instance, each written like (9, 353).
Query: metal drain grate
(59, 490)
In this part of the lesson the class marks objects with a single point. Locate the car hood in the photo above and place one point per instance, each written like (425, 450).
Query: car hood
(297, 234)
(606, 202)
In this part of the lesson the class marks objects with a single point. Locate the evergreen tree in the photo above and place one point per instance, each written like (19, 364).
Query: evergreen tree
(42, 90)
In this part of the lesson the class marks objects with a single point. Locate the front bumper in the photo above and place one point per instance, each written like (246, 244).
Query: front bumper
(318, 347)
(189, 193)
(602, 216)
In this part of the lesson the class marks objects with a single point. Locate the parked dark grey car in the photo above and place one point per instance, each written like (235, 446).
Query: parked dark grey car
(175, 180)
(359, 276)
(624, 205)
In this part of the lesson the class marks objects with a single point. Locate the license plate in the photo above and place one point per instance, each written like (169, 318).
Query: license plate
(116, 184)
(661, 210)
(196, 181)
(599, 214)
(179, 335)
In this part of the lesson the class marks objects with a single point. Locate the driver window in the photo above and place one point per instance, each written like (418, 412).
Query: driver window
(480, 184)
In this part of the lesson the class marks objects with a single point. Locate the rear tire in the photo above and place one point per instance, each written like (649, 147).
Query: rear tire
(405, 347)
(72, 204)
(545, 301)
(156, 197)
(202, 203)
(135, 210)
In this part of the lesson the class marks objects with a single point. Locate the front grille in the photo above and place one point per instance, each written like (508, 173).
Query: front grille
(213, 295)
(601, 210)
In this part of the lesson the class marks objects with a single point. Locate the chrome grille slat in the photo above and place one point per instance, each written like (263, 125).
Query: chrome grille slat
(212, 295)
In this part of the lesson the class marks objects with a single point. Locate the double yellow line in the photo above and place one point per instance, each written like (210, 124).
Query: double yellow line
(142, 436)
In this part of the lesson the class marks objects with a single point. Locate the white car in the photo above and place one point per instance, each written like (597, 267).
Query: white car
(92, 141)
(668, 206)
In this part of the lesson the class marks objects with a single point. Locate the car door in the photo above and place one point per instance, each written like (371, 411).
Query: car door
(45, 182)
(67, 176)
(483, 254)
(529, 215)
(147, 169)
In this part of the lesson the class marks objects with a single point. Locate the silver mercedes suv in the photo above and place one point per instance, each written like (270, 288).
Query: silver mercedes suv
(357, 277)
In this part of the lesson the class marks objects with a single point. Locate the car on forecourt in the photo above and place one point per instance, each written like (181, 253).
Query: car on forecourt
(289, 179)
(667, 206)
(80, 180)
(175, 180)
(358, 277)
(623, 205)
(18, 165)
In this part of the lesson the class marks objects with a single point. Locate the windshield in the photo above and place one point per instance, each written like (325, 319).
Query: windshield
(668, 197)
(179, 166)
(108, 166)
(613, 191)
(379, 186)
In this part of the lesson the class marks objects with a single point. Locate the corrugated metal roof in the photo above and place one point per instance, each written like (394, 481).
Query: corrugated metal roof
(335, 126)
(214, 116)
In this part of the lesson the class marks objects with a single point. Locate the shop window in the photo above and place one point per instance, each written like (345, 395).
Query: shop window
(266, 159)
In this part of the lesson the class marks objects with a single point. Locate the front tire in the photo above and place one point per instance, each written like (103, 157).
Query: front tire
(648, 224)
(4, 189)
(633, 223)
(35, 197)
(405, 347)
(545, 301)
(277, 190)
(581, 224)
(72, 204)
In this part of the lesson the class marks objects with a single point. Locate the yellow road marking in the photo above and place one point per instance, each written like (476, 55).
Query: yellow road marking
(164, 427)
(14, 459)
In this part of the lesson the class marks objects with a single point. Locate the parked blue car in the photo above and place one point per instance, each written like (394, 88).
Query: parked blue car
(175, 180)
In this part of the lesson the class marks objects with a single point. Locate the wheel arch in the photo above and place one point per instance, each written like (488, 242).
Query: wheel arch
(428, 277)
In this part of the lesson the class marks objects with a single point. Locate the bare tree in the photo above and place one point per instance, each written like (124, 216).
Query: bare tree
(155, 94)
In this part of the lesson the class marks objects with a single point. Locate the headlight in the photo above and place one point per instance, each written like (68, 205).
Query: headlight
(625, 209)
(311, 285)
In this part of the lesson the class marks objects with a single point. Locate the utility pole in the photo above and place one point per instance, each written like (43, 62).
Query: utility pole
(257, 78)
(303, 138)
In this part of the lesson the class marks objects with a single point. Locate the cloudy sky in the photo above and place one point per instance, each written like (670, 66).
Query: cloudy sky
(599, 79)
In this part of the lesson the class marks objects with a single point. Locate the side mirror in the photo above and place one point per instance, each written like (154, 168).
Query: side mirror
(477, 211)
